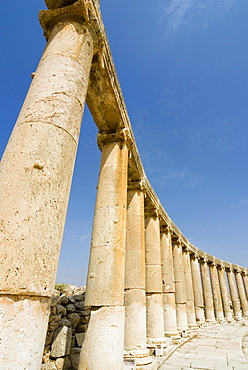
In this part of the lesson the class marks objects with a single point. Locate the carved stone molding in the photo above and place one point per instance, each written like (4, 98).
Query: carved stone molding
(136, 185)
(122, 135)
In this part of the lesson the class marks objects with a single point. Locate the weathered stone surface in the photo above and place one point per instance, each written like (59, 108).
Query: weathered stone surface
(63, 363)
(49, 366)
(60, 310)
(74, 357)
(70, 307)
(109, 347)
(54, 4)
(62, 342)
(54, 301)
(74, 319)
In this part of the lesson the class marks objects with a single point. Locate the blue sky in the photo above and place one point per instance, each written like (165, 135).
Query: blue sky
(183, 69)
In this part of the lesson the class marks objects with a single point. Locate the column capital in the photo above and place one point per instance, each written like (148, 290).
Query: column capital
(136, 185)
(151, 212)
(82, 11)
(122, 135)
(166, 229)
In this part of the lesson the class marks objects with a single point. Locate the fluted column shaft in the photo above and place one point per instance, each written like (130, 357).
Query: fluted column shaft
(36, 172)
(135, 295)
(234, 295)
(104, 340)
(189, 289)
(207, 292)
(181, 309)
(241, 292)
(218, 309)
(198, 294)
(170, 318)
(154, 292)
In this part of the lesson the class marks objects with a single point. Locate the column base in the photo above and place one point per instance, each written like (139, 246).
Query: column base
(156, 346)
(140, 356)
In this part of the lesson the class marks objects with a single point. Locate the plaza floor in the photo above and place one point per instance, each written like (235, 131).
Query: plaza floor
(219, 347)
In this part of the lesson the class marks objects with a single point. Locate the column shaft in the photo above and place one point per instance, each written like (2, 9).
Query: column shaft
(207, 293)
(198, 294)
(234, 295)
(154, 293)
(135, 295)
(224, 294)
(181, 309)
(246, 284)
(170, 318)
(241, 292)
(36, 172)
(189, 290)
(104, 340)
(218, 309)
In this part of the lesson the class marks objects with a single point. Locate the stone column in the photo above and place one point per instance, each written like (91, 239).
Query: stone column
(181, 309)
(35, 179)
(207, 292)
(234, 295)
(170, 318)
(135, 294)
(189, 289)
(218, 309)
(241, 293)
(154, 292)
(197, 287)
(224, 294)
(104, 341)
(245, 276)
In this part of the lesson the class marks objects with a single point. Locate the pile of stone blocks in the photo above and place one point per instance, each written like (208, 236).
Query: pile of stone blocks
(67, 325)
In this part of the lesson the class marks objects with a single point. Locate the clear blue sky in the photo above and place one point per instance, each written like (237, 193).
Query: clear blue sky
(183, 69)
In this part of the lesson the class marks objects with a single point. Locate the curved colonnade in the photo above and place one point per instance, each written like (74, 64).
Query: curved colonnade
(147, 284)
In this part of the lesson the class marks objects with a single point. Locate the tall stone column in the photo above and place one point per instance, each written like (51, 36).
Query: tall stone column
(170, 318)
(207, 292)
(224, 294)
(35, 179)
(234, 295)
(154, 292)
(104, 341)
(241, 293)
(135, 294)
(245, 276)
(181, 309)
(218, 309)
(189, 289)
(197, 287)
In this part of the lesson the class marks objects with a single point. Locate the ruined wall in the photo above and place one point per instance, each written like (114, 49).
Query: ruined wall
(68, 322)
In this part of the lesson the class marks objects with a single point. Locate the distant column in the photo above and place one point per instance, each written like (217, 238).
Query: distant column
(135, 294)
(189, 289)
(234, 295)
(218, 309)
(197, 287)
(207, 292)
(170, 318)
(224, 293)
(35, 180)
(154, 290)
(181, 309)
(241, 293)
(104, 341)
(245, 276)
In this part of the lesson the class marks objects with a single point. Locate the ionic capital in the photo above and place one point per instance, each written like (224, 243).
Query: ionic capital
(122, 135)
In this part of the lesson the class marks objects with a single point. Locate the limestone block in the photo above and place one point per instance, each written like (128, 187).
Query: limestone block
(70, 307)
(63, 300)
(110, 348)
(170, 320)
(49, 366)
(79, 305)
(54, 301)
(60, 310)
(63, 363)
(74, 319)
(135, 323)
(65, 322)
(152, 237)
(74, 357)
(62, 342)
(153, 279)
(79, 297)
(155, 318)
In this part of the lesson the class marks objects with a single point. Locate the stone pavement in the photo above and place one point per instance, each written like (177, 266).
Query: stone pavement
(219, 347)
